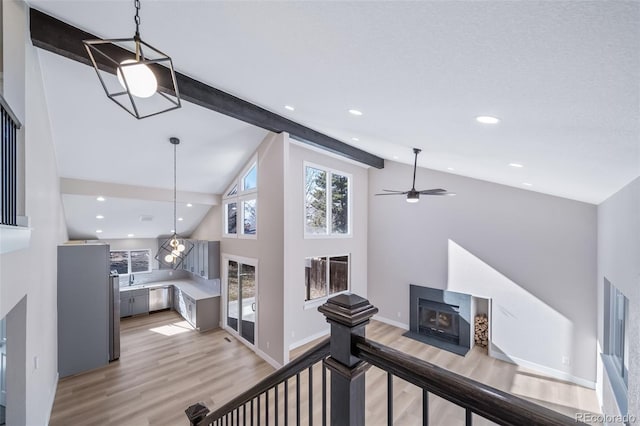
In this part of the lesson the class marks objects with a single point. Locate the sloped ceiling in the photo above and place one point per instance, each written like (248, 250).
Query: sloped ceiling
(562, 77)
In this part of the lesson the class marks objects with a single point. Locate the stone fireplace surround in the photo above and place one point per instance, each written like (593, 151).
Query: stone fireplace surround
(461, 301)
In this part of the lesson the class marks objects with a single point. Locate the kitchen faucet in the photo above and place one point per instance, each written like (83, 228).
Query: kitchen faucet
(131, 279)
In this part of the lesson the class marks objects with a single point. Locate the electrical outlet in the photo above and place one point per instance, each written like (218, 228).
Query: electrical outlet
(36, 362)
(293, 334)
(399, 314)
(267, 345)
(170, 273)
(566, 360)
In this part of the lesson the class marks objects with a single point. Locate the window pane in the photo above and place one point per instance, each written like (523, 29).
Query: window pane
(120, 262)
(339, 204)
(233, 191)
(338, 274)
(250, 180)
(140, 261)
(315, 201)
(249, 217)
(315, 273)
(231, 218)
(232, 295)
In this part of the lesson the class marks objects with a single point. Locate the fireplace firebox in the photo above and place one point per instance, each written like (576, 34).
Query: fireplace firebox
(440, 318)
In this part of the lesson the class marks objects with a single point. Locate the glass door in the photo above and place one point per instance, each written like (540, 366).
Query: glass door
(241, 300)
(232, 294)
(248, 301)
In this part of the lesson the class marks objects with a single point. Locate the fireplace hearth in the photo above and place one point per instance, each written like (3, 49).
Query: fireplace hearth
(440, 318)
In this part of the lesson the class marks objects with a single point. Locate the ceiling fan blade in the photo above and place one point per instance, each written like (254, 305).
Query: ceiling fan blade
(393, 190)
(393, 193)
(443, 194)
(432, 191)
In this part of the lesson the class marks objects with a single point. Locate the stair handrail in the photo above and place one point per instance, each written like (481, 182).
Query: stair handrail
(309, 358)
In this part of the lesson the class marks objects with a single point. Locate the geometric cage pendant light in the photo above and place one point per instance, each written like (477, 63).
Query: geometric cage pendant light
(135, 75)
(175, 250)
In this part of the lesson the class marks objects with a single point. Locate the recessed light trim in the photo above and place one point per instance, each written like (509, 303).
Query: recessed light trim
(289, 107)
(100, 198)
(450, 168)
(395, 157)
(487, 119)
(527, 184)
(355, 112)
(355, 139)
(98, 231)
(180, 219)
(189, 205)
(130, 235)
(516, 165)
(99, 216)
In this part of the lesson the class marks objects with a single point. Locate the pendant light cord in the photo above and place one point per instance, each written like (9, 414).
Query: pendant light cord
(136, 18)
(175, 223)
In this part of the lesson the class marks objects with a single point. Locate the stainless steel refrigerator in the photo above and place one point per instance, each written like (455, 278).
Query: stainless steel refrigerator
(88, 309)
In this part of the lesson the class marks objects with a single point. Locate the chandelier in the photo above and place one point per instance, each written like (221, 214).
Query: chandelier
(174, 251)
(145, 82)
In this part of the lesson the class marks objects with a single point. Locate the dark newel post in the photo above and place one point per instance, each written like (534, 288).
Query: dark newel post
(348, 315)
(196, 413)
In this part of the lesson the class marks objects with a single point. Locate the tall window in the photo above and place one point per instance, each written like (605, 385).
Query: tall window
(126, 262)
(618, 348)
(327, 202)
(326, 276)
(241, 203)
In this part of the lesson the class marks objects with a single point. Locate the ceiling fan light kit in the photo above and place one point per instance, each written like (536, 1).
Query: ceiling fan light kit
(413, 195)
(137, 67)
(173, 251)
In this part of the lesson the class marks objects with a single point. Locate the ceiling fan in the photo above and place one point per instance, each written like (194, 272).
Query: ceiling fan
(413, 195)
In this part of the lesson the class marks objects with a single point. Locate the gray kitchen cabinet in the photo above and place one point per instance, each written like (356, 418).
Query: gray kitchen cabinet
(203, 314)
(134, 302)
(208, 260)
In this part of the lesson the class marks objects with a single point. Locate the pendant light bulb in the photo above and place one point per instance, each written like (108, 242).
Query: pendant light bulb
(168, 258)
(181, 248)
(140, 79)
(174, 242)
(175, 253)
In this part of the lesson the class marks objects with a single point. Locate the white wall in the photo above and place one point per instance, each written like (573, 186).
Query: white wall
(303, 323)
(619, 262)
(32, 272)
(530, 252)
(267, 248)
(210, 228)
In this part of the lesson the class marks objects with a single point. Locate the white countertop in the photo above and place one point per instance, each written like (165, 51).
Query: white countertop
(194, 289)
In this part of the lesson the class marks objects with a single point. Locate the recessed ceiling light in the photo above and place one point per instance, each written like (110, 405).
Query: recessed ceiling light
(100, 198)
(130, 235)
(355, 112)
(189, 205)
(289, 107)
(527, 184)
(450, 168)
(355, 139)
(395, 157)
(487, 119)
(99, 216)
(172, 231)
(516, 165)
(98, 231)
(180, 219)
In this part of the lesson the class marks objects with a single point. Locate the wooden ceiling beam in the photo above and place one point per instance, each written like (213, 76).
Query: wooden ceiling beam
(56, 36)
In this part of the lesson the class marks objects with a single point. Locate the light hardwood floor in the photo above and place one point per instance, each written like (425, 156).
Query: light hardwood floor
(165, 366)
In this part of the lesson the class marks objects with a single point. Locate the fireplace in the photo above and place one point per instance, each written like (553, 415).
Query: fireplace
(440, 318)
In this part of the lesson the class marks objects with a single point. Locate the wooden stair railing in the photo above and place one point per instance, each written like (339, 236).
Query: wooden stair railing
(246, 406)
(349, 356)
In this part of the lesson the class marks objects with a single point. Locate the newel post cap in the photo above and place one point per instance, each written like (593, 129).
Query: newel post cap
(348, 309)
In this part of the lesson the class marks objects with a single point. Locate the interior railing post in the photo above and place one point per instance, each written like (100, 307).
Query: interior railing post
(348, 315)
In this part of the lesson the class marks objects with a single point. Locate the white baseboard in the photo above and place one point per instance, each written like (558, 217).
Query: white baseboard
(311, 338)
(52, 398)
(391, 322)
(556, 374)
(275, 364)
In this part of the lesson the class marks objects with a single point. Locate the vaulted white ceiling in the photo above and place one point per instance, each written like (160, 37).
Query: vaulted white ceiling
(562, 77)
